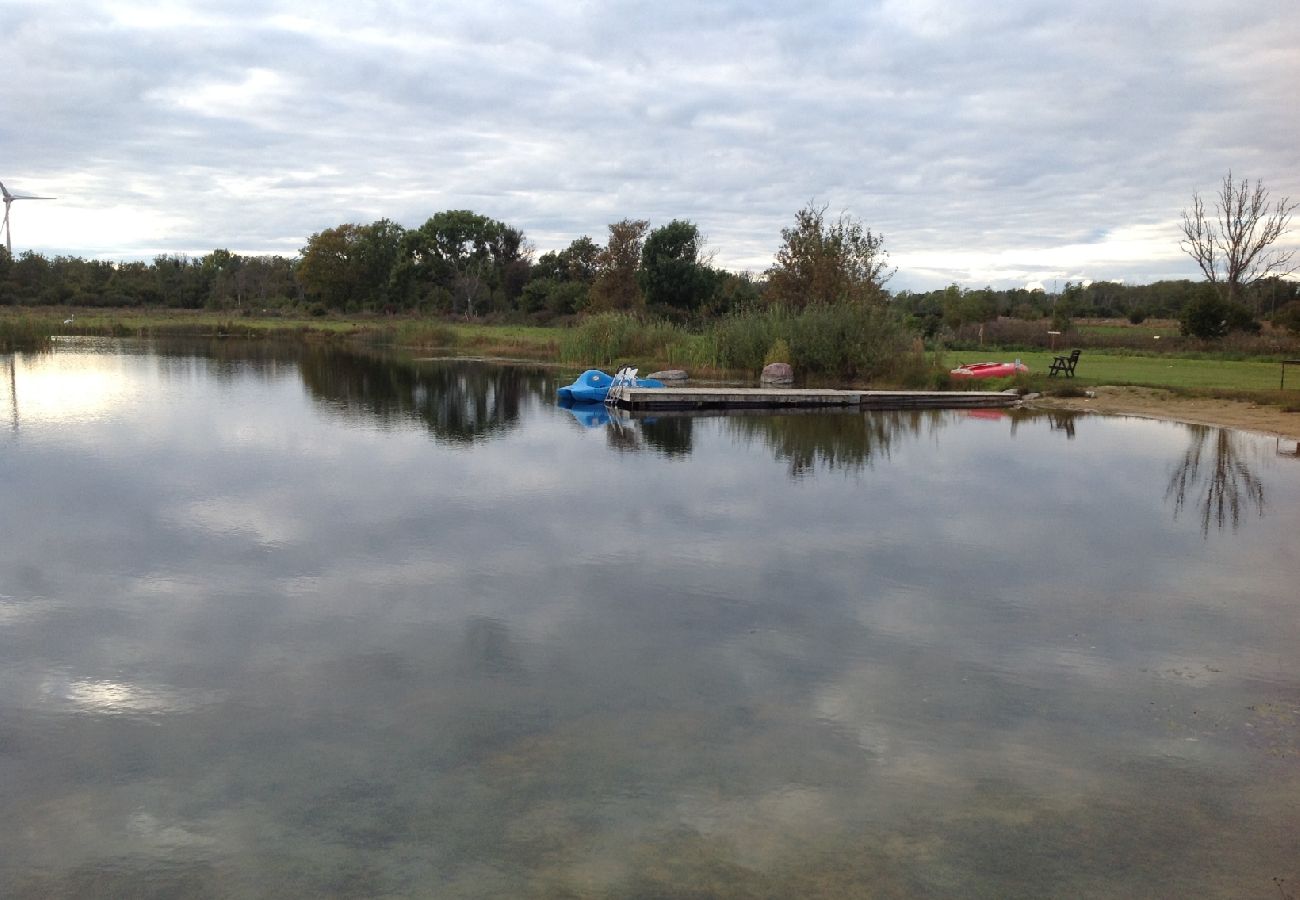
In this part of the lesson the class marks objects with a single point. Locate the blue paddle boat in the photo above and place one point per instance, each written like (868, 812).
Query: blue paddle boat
(593, 384)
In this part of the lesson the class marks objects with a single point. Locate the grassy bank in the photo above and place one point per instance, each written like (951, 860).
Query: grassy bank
(732, 347)
(23, 328)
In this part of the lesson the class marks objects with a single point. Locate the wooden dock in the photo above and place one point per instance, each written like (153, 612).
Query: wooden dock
(668, 398)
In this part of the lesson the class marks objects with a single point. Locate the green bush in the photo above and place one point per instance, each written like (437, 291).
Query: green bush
(1288, 317)
(1210, 316)
(1241, 319)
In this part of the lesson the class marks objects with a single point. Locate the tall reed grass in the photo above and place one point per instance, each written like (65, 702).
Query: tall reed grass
(427, 334)
(610, 338)
(25, 333)
(843, 341)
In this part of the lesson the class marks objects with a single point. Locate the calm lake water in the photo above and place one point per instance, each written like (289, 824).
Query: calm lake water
(297, 622)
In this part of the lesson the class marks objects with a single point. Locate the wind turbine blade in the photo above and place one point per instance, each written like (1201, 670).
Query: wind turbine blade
(9, 195)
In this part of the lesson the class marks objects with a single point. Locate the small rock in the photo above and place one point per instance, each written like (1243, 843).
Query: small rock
(1032, 395)
(669, 375)
(777, 373)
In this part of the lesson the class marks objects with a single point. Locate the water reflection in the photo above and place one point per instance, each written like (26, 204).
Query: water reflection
(849, 441)
(1058, 420)
(488, 647)
(458, 402)
(669, 435)
(1215, 476)
(588, 415)
(1062, 421)
(330, 660)
(13, 391)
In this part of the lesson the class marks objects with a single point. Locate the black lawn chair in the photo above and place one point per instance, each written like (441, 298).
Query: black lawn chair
(1064, 364)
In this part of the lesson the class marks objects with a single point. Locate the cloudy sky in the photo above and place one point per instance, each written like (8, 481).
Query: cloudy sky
(1012, 143)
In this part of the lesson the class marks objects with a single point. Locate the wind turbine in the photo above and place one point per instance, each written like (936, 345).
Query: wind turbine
(10, 198)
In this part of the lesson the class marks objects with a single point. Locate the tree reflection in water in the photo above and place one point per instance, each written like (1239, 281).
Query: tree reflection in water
(848, 441)
(459, 402)
(669, 435)
(1213, 472)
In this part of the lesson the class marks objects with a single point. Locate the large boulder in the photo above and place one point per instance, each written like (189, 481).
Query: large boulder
(777, 373)
(669, 375)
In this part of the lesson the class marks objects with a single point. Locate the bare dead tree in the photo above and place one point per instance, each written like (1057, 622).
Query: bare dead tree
(1234, 248)
(1218, 475)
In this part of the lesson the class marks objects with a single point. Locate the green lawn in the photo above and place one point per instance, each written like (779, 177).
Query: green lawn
(1151, 371)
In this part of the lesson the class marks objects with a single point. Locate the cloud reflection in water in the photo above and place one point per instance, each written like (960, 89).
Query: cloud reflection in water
(416, 640)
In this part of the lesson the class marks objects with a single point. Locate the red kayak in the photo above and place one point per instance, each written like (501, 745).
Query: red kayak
(989, 370)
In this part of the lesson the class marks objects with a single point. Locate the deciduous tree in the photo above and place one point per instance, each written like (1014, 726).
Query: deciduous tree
(1234, 247)
(462, 254)
(672, 277)
(616, 285)
(828, 262)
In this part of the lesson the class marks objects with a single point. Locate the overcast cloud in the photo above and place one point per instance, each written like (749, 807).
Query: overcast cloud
(1001, 144)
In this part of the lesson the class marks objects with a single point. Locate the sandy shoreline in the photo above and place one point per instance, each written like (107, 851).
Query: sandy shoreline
(1153, 403)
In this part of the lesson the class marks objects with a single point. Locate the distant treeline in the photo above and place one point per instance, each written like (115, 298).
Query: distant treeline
(954, 306)
(462, 263)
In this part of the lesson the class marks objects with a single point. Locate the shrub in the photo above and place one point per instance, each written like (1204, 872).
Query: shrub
(1288, 317)
(1241, 319)
(1209, 317)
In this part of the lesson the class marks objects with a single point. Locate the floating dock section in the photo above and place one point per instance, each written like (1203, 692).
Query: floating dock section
(669, 398)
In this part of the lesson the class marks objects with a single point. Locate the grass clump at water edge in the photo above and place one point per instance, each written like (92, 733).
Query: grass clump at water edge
(24, 333)
(616, 337)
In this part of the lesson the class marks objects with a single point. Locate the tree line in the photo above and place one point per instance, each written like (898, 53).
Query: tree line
(463, 263)
(1271, 298)
(460, 262)
(217, 280)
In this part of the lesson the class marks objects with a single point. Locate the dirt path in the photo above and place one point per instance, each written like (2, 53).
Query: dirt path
(1153, 403)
